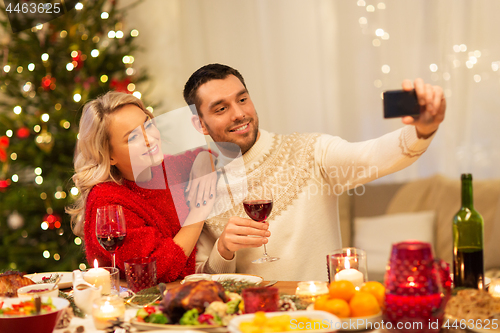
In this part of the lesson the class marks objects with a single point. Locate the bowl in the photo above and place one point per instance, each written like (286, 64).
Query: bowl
(42, 323)
(40, 289)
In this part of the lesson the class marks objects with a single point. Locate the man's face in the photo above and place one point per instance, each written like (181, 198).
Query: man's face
(227, 112)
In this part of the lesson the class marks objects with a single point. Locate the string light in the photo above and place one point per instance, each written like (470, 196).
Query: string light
(13, 156)
(111, 34)
(19, 69)
(31, 67)
(361, 3)
(370, 8)
(38, 171)
(104, 15)
(463, 47)
(376, 42)
(6, 68)
(37, 128)
(377, 83)
(79, 6)
(39, 180)
(70, 66)
(362, 20)
(379, 32)
(57, 106)
(477, 78)
(381, 5)
(27, 87)
(78, 241)
(15, 178)
(134, 33)
(77, 97)
(63, 34)
(74, 191)
(45, 117)
(17, 109)
(433, 68)
(104, 78)
(46, 254)
(82, 267)
(9, 133)
(45, 57)
(385, 36)
(57, 257)
(129, 71)
(150, 109)
(131, 87)
(44, 225)
(94, 53)
(495, 65)
(446, 76)
(477, 53)
(386, 69)
(119, 34)
(43, 195)
(66, 124)
(137, 94)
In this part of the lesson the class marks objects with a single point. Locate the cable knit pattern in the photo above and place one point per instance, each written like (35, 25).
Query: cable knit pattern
(151, 217)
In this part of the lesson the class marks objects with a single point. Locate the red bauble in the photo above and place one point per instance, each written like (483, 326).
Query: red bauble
(120, 86)
(4, 144)
(53, 220)
(78, 60)
(4, 184)
(23, 133)
(49, 82)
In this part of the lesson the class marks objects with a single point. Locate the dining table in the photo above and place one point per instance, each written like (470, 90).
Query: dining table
(284, 287)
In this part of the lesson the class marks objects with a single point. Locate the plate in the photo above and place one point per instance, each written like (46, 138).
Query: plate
(352, 324)
(487, 280)
(180, 328)
(238, 277)
(328, 321)
(472, 327)
(65, 282)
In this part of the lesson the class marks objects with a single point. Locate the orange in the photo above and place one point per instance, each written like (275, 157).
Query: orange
(338, 307)
(320, 303)
(375, 288)
(342, 289)
(364, 304)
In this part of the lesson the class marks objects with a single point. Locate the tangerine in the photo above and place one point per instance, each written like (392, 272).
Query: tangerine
(364, 304)
(338, 307)
(342, 289)
(320, 303)
(375, 288)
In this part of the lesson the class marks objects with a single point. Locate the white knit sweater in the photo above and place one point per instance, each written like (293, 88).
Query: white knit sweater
(308, 172)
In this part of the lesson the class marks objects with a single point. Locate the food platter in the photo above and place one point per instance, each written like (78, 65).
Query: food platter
(184, 328)
(356, 323)
(66, 278)
(473, 325)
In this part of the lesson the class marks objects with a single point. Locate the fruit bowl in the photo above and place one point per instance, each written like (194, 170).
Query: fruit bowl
(357, 323)
(41, 323)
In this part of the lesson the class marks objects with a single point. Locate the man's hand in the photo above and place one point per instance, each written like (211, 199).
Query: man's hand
(235, 236)
(432, 107)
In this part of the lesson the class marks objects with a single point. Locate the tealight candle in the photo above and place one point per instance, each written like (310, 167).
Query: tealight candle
(310, 290)
(350, 274)
(99, 277)
(107, 309)
(494, 288)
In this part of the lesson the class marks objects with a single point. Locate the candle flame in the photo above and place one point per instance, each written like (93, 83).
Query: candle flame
(347, 264)
(96, 264)
(313, 288)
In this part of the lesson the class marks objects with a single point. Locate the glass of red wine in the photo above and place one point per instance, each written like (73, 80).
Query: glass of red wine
(110, 228)
(258, 205)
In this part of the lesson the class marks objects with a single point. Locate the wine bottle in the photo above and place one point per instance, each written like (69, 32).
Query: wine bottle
(468, 225)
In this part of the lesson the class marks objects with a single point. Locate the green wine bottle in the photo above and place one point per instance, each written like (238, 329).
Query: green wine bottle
(468, 225)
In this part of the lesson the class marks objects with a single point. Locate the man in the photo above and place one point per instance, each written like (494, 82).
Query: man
(306, 172)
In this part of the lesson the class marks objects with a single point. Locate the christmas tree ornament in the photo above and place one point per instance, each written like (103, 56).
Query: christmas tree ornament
(45, 141)
(78, 59)
(15, 220)
(23, 133)
(53, 221)
(4, 184)
(120, 85)
(48, 82)
(4, 144)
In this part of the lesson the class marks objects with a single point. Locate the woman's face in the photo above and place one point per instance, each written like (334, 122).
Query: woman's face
(135, 143)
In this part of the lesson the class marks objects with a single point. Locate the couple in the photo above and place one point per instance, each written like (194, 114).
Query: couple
(304, 222)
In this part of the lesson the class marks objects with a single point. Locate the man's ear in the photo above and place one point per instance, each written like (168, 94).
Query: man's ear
(198, 125)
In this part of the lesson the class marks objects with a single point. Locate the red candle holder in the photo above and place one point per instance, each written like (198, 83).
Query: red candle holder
(260, 299)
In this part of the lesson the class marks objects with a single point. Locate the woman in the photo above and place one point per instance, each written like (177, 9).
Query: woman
(118, 160)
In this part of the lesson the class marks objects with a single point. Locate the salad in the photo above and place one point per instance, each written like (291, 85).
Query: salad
(216, 313)
(26, 308)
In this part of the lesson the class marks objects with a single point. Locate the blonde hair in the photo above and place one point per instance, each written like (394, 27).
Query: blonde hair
(92, 154)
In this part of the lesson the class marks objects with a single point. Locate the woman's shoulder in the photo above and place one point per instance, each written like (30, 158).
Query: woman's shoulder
(110, 191)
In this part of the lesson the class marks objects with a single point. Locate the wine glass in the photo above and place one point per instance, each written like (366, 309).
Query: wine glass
(110, 228)
(258, 205)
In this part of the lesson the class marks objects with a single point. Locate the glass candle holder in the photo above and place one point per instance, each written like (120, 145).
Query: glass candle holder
(349, 264)
(309, 291)
(260, 299)
(107, 309)
(494, 287)
(140, 273)
(107, 277)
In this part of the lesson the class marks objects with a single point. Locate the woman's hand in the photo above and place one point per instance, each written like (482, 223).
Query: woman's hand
(202, 180)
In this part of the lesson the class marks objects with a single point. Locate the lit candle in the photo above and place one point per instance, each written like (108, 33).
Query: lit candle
(99, 277)
(494, 288)
(310, 290)
(350, 274)
(107, 309)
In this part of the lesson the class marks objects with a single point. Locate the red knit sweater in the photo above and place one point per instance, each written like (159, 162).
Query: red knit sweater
(151, 218)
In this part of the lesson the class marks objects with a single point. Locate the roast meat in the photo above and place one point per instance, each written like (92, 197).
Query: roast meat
(11, 281)
(192, 295)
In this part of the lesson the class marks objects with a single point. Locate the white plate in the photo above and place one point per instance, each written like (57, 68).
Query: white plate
(329, 322)
(179, 328)
(238, 277)
(65, 282)
(473, 328)
(352, 324)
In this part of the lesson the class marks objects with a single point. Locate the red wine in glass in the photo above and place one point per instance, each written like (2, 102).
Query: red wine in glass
(258, 206)
(111, 228)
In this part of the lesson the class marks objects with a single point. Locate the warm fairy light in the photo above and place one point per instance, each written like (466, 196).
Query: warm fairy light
(9, 133)
(376, 42)
(39, 180)
(45, 57)
(150, 109)
(119, 34)
(379, 32)
(27, 87)
(45, 117)
(66, 124)
(78, 241)
(137, 94)
(94, 53)
(46, 254)
(456, 48)
(79, 6)
(362, 20)
(104, 15)
(469, 64)
(63, 34)
(74, 54)
(381, 5)
(377, 83)
(386, 69)
(104, 78)
(495, 66)
(477, 53)
(37, 128)
(13, 156)
(134, 33)
(361, 3)
(31, 67)
(370, 8)
(57, 257)
(473, 60)
(15, 178)
(44, 225)
(74, 191)
(82, 266)
(38, 171)
(17, 109)
(19, 69)
(129, 71)
(433, 68)
(385, 36)
(446, 76)
(77, 97)
(43, 195)
(463, 47)
(126, 59)
(131, 87)
(57, 195)
(70, 66)
(111, 34)
(6, 68)
(477, 78)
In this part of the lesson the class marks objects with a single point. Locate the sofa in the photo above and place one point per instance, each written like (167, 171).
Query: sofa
(375, 216)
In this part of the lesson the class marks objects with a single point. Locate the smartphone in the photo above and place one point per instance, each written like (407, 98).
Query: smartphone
(400, 103)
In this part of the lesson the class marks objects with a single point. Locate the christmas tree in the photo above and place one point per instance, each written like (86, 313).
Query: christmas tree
(47, 73)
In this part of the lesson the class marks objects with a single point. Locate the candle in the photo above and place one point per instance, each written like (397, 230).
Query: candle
(310, 290)
(107, 309)
(494, 288)
(350, 274)
(99, 277)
